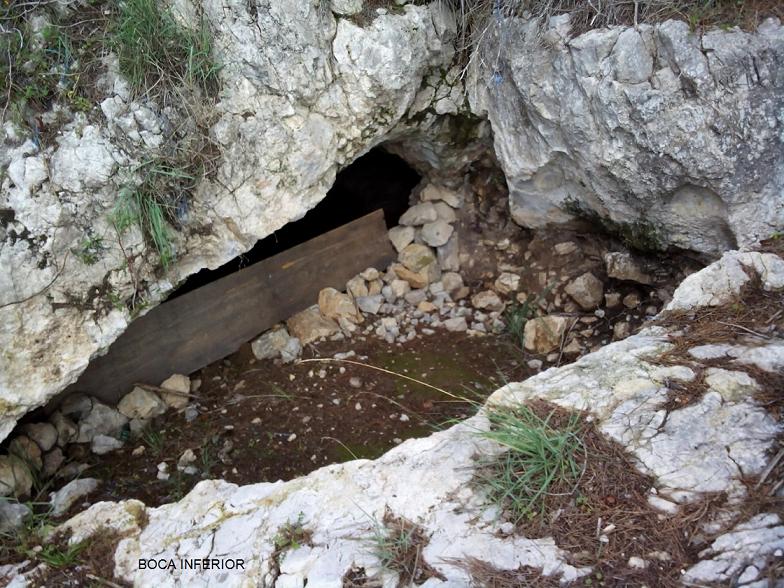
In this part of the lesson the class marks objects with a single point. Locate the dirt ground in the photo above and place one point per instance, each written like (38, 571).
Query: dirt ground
(260, 421)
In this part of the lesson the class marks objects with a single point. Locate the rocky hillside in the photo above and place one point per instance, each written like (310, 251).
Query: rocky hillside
(121, 176)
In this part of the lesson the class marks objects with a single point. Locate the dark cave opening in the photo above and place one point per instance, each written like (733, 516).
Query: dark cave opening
(378, 179)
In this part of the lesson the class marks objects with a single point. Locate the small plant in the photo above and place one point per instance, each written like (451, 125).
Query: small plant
(154, 440)
(153, 205)
(398, 543)
(89, 250)
(292, 535)
(518, 314)
(540, 459)
(60, 556)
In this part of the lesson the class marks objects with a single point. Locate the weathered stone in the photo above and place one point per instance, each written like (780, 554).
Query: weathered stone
(52, 462)
(449, 254)
(632, 300)
(374, 287)
(401, 237)
(612, 299)
(586, 290)
(27, 450)
(416, 257)
(507, 283)
(101, 420)
(76, 406)
(62, 500)
(621, 330)
(419, 279)
(15, 476)
(399, 288)
(12, 515)
(44, 434)
(445, 212)
(346, 7)
(309, 325)
(370, 274)
(356, 287)
(370, 304)
(565, 248)
(141, 403)
(544, 334)
(487, 300)
(457, 324)
(414, 297)
(337, 305)
(176, 391)
(103, 444)
(452, 282)
(270, 344)
(434, 192)
(437, 233)
(623, 266)
(419, 214)
(67, 430)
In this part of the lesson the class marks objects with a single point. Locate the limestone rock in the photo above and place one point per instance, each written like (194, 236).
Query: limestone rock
(487, 300)
(52, 462)
(452, 282)
(337, 305)
(565, 248)
(15, 476)
(399, 288)
(544, 334)
(346, 7)
(401, 237)
(445, 212)
(370, 304)
(67, 430)
(103, 444)
(356, 287)
(419, 214)
(418, 279)
(449, 254)
(101, 420)
(12, 515)
(623, 266)
(309, 325)
(457, 324)
(621, 330)
(65, 497)
(44, 434)
(180, 388)
(433, 192)
(632, 300)
(27, 450)
(141, 403)
(586, 290)
(437, 233)
(416, 257)
(507, 283)
(270, 344)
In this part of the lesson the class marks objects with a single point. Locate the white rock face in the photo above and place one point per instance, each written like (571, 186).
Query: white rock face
(303, 94)
(709, 446)
(676, 133)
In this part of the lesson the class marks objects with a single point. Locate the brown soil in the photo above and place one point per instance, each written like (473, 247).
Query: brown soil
(283, 421)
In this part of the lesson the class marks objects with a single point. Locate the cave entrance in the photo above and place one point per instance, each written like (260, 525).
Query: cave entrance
(214, 312)
(378, 179)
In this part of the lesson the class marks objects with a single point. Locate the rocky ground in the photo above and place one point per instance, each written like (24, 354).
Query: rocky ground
(414, 348)
(680, 478)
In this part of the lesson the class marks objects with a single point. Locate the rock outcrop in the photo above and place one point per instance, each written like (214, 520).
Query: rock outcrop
(671, 137)
(667, 136)
(709, 446)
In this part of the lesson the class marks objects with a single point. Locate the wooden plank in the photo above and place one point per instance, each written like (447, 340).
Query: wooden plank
(207, 324)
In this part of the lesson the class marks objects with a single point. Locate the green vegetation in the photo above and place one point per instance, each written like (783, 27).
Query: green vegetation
(292, 535)
(157, 54)
(60, 556)
(518, 314)
(541, 458)
(154, 440)
(89, 249)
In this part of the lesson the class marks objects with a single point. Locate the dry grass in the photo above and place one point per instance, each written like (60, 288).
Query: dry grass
(398, 543)
(605, 518)
(754, 316)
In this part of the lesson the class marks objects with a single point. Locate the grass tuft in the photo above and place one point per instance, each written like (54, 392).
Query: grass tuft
(156, 53)
(540, 459)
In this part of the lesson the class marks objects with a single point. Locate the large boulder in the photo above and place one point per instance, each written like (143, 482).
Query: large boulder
(664, 135)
